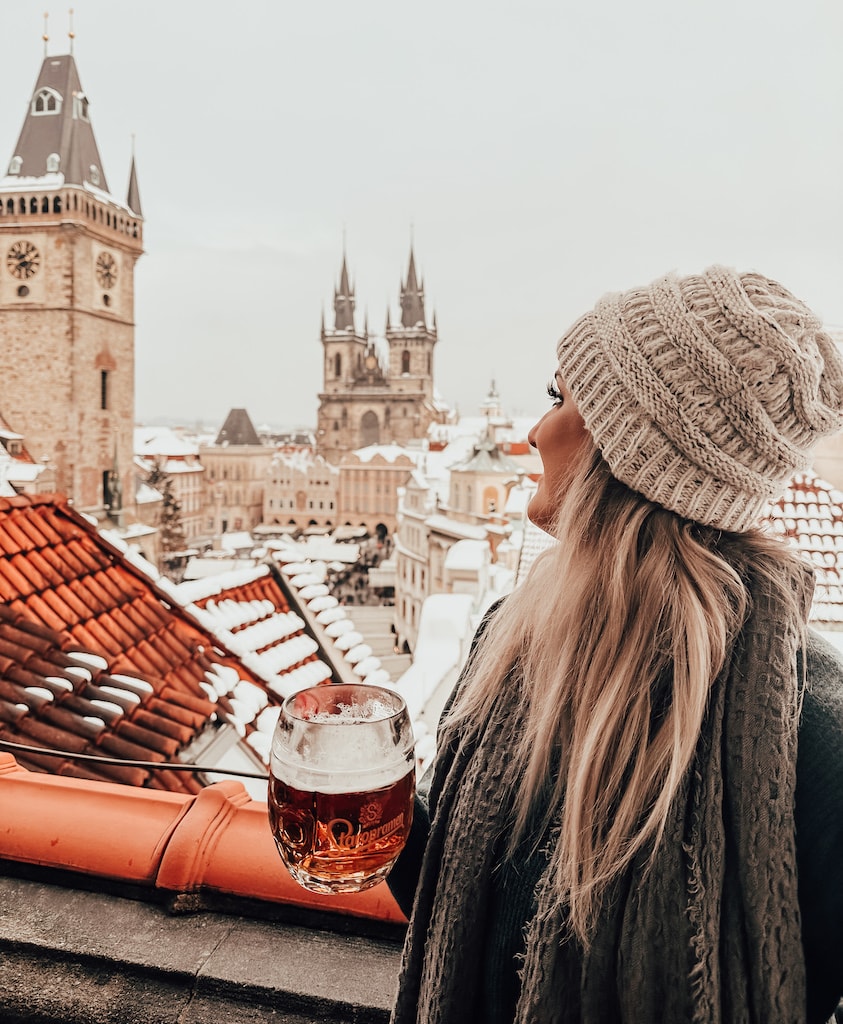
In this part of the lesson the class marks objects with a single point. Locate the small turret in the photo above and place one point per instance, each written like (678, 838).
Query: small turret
(412, 297)
(344, 301)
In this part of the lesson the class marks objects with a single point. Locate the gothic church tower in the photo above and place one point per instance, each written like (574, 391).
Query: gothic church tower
(68, 249)
(373, 397)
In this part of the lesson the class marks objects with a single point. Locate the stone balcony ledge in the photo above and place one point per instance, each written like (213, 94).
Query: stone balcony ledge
(132, 906)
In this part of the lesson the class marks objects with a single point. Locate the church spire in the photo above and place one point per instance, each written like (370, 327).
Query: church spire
(57, 136)
(133, 195)
(344, 301)
(412, 297)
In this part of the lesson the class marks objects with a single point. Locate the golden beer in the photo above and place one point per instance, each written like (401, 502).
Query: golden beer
(342, 781)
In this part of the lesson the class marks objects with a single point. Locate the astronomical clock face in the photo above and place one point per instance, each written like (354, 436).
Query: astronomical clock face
(106, 267)
(23, 260)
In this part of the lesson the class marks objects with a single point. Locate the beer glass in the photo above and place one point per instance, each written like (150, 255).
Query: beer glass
(341, 785)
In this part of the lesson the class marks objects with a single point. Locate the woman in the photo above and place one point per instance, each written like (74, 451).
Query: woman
(618, 829)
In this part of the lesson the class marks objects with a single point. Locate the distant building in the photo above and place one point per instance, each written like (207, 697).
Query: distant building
(377, 392)
(19, 472)
(301, 489)
(162, 448)
(236, 465)
(448, 537)
(369, 481)
(68, 248)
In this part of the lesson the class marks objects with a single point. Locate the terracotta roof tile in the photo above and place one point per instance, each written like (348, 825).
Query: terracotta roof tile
(139, 686)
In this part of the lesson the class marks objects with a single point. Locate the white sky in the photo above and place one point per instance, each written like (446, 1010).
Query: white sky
(541, 152)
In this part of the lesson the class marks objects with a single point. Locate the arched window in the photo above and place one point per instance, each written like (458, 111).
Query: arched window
(337, 365)
(344, 417)
(46, 101)
(53, 163)
(369, 429)
(405, 361)
(15, 165)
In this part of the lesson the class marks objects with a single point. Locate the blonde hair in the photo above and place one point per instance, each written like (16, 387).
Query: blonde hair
(617, 634)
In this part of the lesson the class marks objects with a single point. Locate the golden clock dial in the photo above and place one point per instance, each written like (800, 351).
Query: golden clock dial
(106, 268)
(23, 260)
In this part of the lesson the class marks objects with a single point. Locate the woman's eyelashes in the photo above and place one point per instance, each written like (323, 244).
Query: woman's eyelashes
(554, 394)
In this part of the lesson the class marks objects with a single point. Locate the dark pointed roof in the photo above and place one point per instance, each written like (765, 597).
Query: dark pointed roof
(412, 297)
(57, 122)
(133, 200)
(237, 429)
(344, 301)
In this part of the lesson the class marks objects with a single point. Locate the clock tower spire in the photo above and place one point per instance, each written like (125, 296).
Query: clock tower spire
(68, 249)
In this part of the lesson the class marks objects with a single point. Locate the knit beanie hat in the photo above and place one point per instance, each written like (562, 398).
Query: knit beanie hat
(705, 393)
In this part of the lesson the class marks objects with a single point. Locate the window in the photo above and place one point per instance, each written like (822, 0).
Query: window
(14, 168)
(46, 101)
(103, 389)
(94, 173)
(370, 429)
(53, 163)
(80, 111)
(337, 365)
(405, 361)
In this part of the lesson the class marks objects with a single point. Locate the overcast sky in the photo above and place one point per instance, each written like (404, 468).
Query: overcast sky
(540, 154)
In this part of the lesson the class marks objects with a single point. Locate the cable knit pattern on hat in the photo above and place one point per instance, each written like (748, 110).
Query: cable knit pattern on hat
(705, 393)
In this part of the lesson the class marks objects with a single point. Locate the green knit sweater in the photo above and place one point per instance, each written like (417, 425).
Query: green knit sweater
(819, 837)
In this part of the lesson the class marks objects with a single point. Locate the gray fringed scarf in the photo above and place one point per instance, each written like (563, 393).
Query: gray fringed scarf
(711, 934)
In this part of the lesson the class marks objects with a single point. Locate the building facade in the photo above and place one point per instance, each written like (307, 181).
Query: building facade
(369, 482)
(235, 467)
(160, 448)
(301, 489)
(377, 393)
(68, 249)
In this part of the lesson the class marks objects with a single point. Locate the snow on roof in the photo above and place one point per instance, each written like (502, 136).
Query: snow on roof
(443, 524)
(22, 472)
(144, 494)
(302, 460)
(444, 625)
(467, 555)
(197, 590)
(388, 452)
(162, 441)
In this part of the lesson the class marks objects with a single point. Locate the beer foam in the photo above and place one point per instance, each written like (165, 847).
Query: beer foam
(332, 780)
(371, 710)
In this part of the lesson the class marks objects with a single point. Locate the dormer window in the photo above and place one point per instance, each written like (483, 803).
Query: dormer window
(46, 101)
(80, 106)
(53, 163)
(15, 165)
(94, 173)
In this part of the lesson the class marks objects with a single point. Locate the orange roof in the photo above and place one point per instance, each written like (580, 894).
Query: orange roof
(98, 658)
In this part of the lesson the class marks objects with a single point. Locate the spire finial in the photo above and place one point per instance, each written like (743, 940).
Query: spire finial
(46, 36)
(71, 35)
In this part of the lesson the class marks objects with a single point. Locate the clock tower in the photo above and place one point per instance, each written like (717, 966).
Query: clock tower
(68, 249)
